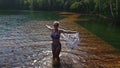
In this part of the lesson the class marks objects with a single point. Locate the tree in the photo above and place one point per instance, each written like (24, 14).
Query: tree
(77, 6)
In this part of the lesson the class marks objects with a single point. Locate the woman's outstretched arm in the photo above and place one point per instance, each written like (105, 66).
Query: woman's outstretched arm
(67, 31)
(50, 28)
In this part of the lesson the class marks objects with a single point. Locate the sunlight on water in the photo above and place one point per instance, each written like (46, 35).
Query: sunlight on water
(25, 43)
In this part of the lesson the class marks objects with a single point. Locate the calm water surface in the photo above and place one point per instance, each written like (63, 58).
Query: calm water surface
(12, 19)
(104, 28)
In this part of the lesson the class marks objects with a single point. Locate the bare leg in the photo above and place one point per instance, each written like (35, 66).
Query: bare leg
(53, 53)
(58, 50)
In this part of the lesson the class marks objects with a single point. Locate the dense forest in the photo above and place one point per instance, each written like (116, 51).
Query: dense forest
(109, 8)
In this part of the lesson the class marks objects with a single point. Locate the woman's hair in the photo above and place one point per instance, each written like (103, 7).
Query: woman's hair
(56, 23)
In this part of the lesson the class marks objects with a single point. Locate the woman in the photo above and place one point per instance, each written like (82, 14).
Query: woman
(56, 45)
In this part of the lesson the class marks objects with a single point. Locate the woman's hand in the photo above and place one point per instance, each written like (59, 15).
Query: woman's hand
(49, 27)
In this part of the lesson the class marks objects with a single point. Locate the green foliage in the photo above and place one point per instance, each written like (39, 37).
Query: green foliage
(75, 6)
(104, 7)
(78, 6)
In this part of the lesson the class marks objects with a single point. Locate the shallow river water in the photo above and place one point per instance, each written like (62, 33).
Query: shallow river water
(28, 45)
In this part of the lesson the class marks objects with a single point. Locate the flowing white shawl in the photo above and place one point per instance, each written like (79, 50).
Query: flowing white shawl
(72, 39)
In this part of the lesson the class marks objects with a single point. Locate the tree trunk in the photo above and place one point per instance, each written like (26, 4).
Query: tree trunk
(116, 7)
(99, 6)
(111, 8)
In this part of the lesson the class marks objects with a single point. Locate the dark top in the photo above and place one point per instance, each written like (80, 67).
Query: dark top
(55, 36)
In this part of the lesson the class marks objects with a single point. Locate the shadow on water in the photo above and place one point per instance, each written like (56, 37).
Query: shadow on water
(104, 28)
(35, 15)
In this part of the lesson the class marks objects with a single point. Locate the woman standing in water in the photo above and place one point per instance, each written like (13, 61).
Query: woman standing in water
(56, 45)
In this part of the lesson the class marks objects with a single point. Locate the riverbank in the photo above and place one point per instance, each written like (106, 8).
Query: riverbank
(101, 54)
